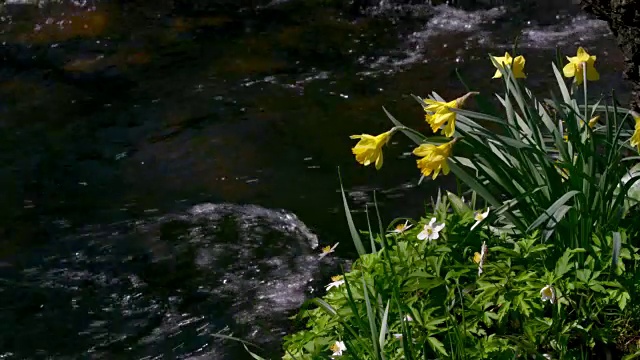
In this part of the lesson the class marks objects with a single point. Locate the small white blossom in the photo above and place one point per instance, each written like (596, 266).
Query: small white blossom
(401, 228)
(431, 231)
(479, 217)
(336, 281)
(548, 293)
(408, 318)
(397, 336)
(547, 356)
(328, 250)
(337, 348)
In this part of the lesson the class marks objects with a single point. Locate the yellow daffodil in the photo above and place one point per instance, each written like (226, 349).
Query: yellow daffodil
(635, 138)
(434, 158)
(578, 64)
(369, 149)
(591, 123)
(516, 64)
(441, 116)
(439, 113)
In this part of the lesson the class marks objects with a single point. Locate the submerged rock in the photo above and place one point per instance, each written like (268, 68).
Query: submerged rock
(623, 18)
(160, 286)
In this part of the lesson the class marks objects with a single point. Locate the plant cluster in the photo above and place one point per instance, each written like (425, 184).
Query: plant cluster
(547, 267)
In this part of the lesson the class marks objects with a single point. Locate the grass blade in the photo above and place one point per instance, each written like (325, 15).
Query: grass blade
(617, 244)
(352, 228)
(548, 213)
(373, 243)
(372, 320)
(375, 203)
(562, 85)
(257, 357)
(383, 326)
(325, 306)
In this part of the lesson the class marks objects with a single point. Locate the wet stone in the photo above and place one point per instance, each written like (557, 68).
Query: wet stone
(163, 285)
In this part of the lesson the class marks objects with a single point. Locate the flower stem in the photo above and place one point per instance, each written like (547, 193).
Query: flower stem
(584, 84)
(410, 130)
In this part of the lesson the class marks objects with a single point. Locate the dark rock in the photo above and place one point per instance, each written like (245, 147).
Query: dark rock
(623, 17)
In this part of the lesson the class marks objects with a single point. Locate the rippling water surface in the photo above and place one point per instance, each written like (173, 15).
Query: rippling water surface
(146, 153)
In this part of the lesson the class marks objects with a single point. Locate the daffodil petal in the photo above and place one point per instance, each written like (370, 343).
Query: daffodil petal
(569, 70)
(379, 161)
(592, 73)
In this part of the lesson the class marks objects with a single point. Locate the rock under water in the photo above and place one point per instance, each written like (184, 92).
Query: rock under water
(160, 286)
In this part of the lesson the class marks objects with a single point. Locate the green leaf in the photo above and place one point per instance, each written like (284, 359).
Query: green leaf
(371, 239)
(473, 183)
(622, 299)
(554, 220)
(436, 345)
(458, 205)
(617, 244)
(257, 357)
(562, 85)
(383, 326)
(325, 307)
(548, 213)
(563, 265)
(372, 321)
(597, 288)
(352, 228)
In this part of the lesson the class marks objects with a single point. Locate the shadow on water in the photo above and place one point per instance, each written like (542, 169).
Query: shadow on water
(131, 133)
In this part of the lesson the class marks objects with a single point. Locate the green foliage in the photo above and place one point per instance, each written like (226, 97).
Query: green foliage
(559, 275)
(457, 313)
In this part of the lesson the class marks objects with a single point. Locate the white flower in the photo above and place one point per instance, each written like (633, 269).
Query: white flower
(401, 228)
(480, 257)
(548, 293)
(431, 230)
(338, 348)
(397, 336)
(479, 217)
(336, 281)
(547, 356)
(408, 318)
(328, 250)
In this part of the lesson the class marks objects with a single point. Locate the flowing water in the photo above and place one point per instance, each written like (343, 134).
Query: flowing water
(146, 155)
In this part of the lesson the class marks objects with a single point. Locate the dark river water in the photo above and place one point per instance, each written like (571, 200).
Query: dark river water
(166, 175)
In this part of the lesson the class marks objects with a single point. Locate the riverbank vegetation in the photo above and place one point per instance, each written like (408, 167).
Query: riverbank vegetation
(536, 256)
